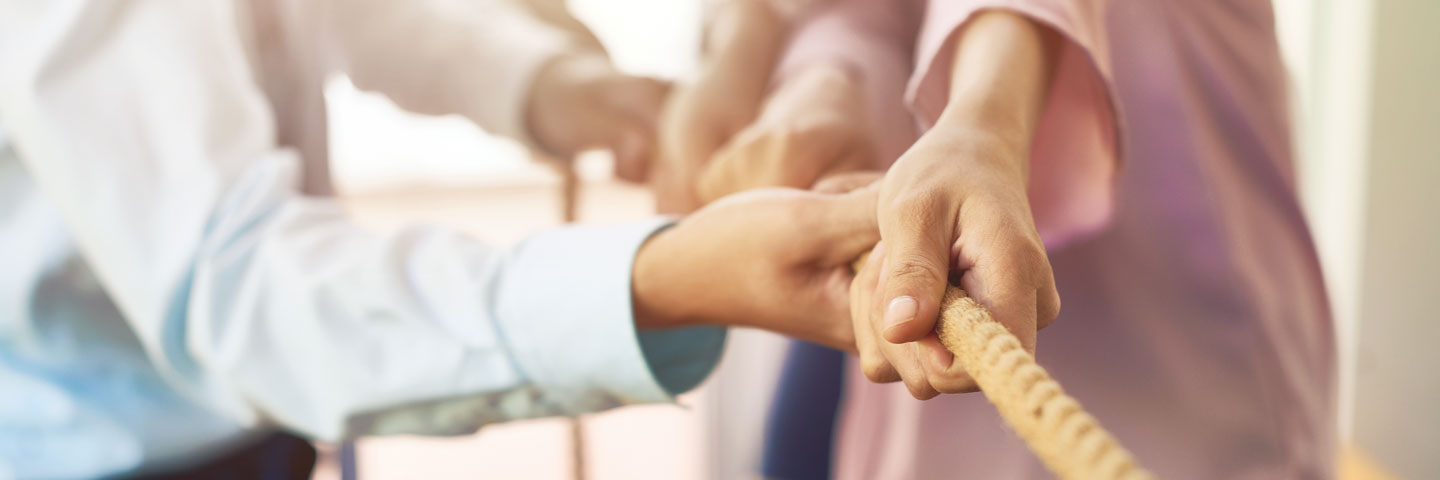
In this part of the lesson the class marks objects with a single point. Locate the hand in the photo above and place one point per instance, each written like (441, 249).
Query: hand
(848, 181)
(580, 102)
(745, 40)
(698, 120)
(813, 125)
(954, 194)
(956, 202)
(775, 259)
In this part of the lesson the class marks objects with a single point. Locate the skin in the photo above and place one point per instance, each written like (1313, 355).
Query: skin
(815, 125)
(579, 102)
(956, 202)
(776, 259)
(772, 259)
(743, 44)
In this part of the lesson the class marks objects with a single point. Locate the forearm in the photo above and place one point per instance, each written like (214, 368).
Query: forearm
(999, 81)
(745, 36)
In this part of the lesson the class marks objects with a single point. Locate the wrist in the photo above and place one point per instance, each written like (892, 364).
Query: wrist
(985, 152)
(653, 300)
(999, 81)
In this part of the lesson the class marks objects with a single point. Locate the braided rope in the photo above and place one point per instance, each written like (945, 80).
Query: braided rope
(1067, 438)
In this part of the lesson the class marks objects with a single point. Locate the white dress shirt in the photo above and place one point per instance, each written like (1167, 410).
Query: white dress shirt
(173, 277)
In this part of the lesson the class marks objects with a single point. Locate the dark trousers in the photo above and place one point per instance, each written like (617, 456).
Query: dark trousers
(800, 430)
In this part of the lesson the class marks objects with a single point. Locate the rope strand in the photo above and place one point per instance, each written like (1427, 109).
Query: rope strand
(1068, 439)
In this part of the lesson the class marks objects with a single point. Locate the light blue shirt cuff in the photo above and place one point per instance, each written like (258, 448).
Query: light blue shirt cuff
(565, 310)
(681, 358)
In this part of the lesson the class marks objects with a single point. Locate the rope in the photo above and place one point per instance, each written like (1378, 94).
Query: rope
(569, 213)
(1066, 437)
(1070, 442)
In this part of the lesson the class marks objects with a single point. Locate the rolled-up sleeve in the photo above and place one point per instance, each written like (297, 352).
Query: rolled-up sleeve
(1076, 151)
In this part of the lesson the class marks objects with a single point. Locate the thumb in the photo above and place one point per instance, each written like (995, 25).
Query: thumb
(915, 274)
(847, 227)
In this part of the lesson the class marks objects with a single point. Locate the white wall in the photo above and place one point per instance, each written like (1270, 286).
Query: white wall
(1326, 44)
(1397, 403)
(1367, 83)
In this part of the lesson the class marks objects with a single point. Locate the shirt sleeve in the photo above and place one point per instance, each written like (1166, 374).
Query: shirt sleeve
(141, 122)
(1076, 150)
(476, 58)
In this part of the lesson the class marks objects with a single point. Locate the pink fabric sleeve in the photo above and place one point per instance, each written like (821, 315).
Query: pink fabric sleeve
(1076, 150)
(872, 39)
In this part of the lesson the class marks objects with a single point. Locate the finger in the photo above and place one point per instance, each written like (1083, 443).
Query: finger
(837, 291)
(846, 227)
(816, 153)
(675, 177)
(854, 158)
(942, 368)
(872, 361)
(901, 357)
(1008, 297)
(673, 192)
(920, 234)
(1047, 303)
(721, 176)
(847, 181)
(906, 358)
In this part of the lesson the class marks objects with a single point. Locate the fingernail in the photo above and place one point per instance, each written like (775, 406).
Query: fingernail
(901, 310)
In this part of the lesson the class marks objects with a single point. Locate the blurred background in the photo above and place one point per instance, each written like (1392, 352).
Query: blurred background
(1366, 104)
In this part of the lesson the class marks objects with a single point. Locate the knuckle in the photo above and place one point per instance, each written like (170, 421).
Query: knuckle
(915, 268)
(920, 390)
(817, 133)
(803, 133)
(877, 369)
(788, 173)
(916, 204)
(786, 137)
(1027, 259)
(1050, 310)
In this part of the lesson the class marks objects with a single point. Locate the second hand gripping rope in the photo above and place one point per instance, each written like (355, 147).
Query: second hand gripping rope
(1068, 439)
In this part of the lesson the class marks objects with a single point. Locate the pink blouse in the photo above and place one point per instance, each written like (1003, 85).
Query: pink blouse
(1195, 325)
